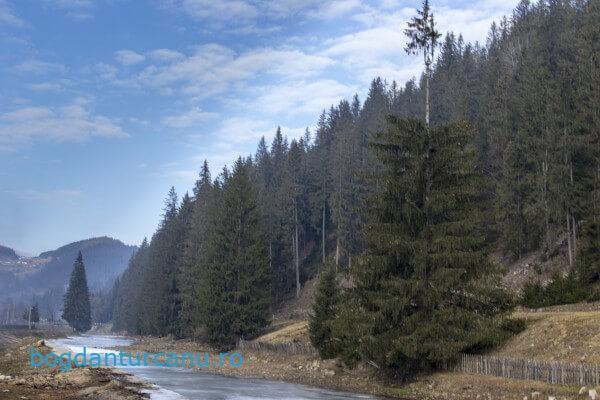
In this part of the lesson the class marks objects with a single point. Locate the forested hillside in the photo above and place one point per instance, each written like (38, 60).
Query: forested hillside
(244, 241)
(43, 279)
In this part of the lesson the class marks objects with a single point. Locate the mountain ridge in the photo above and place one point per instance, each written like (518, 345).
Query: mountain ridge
(105, 259)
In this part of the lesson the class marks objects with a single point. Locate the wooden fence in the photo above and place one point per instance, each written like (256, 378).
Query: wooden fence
(554, 372)
(286, 348)
(546, 371)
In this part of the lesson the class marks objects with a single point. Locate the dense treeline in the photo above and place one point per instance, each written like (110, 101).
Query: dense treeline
(222, 258)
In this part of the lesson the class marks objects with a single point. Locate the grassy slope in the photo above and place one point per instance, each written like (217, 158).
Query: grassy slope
(555, 334)
(570, 336)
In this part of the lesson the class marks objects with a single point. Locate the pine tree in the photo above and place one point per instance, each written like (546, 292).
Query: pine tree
(319, 181)
(324, 310)
(237, 268)
(344, 200)
(129, 301)
(159, 291)
(192, 263)
(76, 310)
(424, 282)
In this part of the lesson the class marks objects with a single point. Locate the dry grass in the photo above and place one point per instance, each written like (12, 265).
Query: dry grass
(568, 336)
(557, 336)
(450, 386)
(293, 332)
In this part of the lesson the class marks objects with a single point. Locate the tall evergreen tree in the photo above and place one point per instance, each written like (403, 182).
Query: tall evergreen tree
(424, 282)
(192, 263)
(237, 268)
(76, 310)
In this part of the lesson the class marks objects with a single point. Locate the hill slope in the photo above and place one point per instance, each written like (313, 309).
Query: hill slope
(7, 254)
(105, 259)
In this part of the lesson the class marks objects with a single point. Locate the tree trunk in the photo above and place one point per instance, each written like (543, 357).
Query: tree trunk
(574, 229)
(570, 249)
(296, 253)
(29, 318)
(546, 205)
(323, 234)
(573, 224)
(337, 253)
(427, 94)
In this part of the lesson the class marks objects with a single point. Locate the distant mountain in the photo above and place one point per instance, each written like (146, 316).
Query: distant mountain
(8, 254)
(105, 259)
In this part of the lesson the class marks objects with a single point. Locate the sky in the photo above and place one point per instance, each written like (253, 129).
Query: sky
(106, 104)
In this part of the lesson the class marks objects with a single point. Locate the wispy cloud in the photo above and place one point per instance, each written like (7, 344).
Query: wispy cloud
(165, 55)
(212, 68)
(71, 122)
(335, 9)
(301, 97)
(224, 9)
(8, 16)
(188, 118)
(39, 67)
(129, 57)
(74, 9)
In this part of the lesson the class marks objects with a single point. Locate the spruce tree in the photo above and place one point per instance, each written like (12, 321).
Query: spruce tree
(237, 278)
(192, 262)
(129, 301)
(424, 285)
(324, 313)
(76, 310)
(159, 295)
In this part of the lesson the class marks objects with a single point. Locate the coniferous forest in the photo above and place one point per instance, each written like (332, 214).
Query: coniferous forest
(408, 208)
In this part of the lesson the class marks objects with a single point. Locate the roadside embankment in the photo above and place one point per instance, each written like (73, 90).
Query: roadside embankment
(551, 335)
(19, 380)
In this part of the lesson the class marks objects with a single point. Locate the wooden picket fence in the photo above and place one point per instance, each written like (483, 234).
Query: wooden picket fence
(286, 348)
(554, 372)
(546, 371)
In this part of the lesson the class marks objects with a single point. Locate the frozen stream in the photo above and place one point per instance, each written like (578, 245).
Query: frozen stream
(185, 383)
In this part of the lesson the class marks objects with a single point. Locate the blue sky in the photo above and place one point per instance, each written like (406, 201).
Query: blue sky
(104, 104)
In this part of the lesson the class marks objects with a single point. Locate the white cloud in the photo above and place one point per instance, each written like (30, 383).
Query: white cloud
(221, 10)
(129, 57)
(334, 9)
(378, 50)
(105, 71)
(212, 68)
(188, 118)
(243, 130)
(71, 122)
(307, 97)
(74, 9)
(39, 67)
(165, 55)
(8, 17)
(248, 13)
